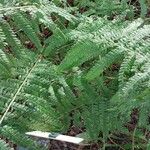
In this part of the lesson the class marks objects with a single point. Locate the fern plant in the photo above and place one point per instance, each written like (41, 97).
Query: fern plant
(91, 76)
(107, 44)
(26, 73)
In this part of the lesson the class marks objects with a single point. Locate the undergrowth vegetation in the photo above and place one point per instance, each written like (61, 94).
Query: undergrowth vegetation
(75, 63)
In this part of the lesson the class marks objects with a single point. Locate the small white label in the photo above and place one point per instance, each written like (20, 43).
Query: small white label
(59, 137)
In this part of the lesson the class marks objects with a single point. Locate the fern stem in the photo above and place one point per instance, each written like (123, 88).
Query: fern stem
(116, 144)
(104, 146)
(18, 91)
(133, 140)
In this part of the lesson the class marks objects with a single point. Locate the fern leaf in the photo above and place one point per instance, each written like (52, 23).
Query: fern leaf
(133, 82)
(17, 92)
(5, 64)
(143, 8)
(4, 146)
(52, 8)
(18, 138)
(11, 39)
(103, 63)
(80, 53)
(57, 40)
(125, 69)
(24, 24)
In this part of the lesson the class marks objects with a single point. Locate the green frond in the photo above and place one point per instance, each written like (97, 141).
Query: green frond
(4, 64)
(55, 42)
(18, 138)
(104, 62)
(27, 97)
(125, 69)
(83, 68)
(132, 86)
(24, 25)
(70, 95)
(4, 146)
(143, 7)
(52, 8)
(79, 53)
(11, 39)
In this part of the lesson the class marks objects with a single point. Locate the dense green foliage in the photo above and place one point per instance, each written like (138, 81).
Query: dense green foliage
(59, 69)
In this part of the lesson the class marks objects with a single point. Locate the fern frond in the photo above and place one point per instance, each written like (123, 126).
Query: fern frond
(17, 92)
(57, 40)
(52, 8)
(143, 7)
(4, 64)
(103, 63)
(44, 96)
(26, 98)
(79, 53)
(24, 24)
(12, 134)
(125, 69)
(11, 39)
(4, 146)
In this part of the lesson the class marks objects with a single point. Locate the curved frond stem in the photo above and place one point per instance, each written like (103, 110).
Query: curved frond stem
(18, 91)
